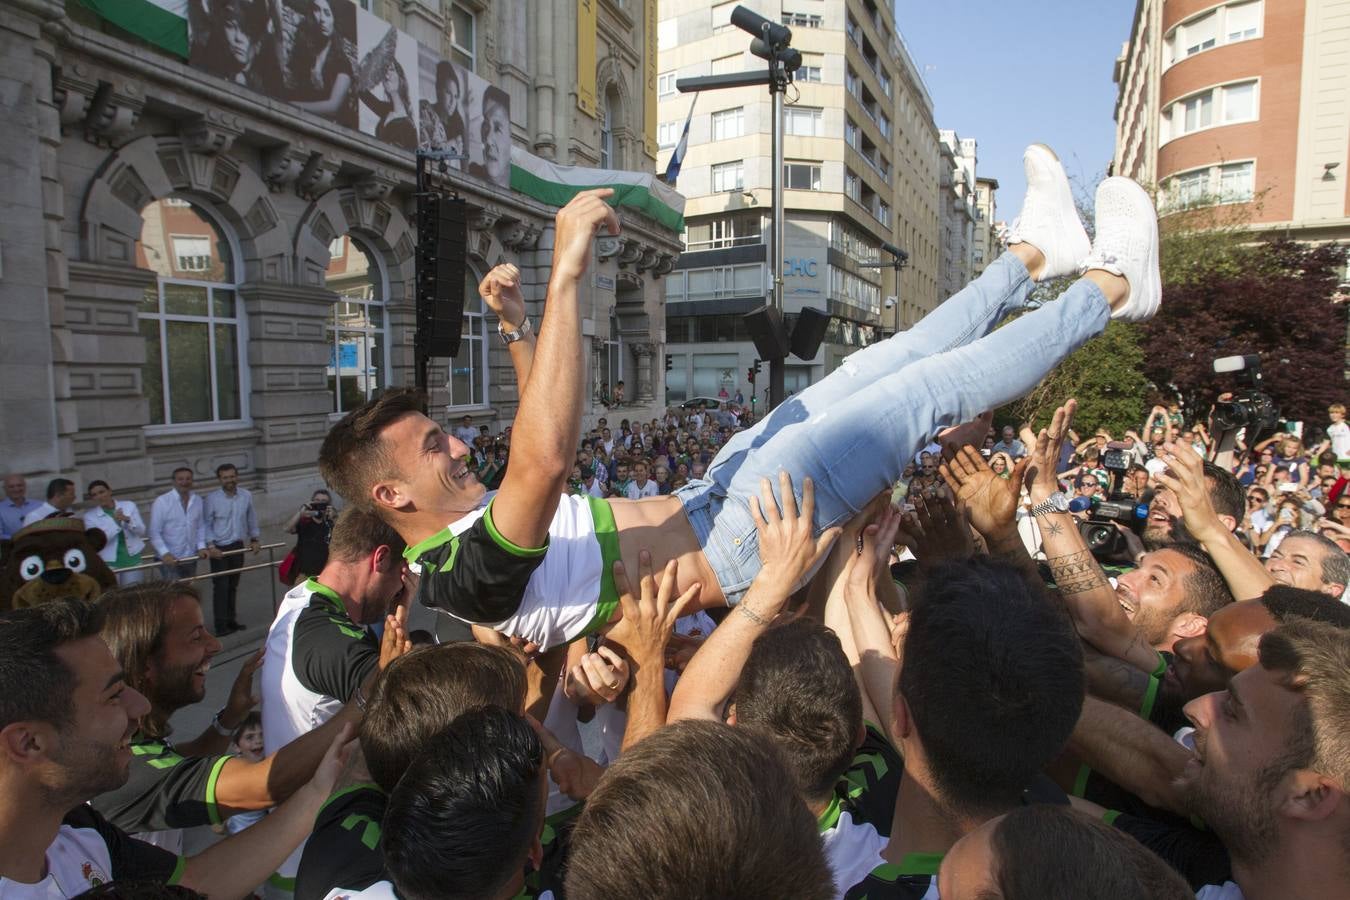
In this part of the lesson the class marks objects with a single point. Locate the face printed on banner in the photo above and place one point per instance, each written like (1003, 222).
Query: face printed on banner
(322, 13)
(496, 141)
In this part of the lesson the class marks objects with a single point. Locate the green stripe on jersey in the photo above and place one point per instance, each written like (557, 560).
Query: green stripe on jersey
(607, 536)
(505, 544)
(212, 807)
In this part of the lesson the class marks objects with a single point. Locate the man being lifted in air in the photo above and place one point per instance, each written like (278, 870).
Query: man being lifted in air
(535, 562)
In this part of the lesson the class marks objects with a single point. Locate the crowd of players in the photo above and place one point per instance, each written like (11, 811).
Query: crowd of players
(938, 691)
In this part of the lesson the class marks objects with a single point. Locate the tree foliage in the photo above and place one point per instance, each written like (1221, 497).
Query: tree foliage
(1226, 298)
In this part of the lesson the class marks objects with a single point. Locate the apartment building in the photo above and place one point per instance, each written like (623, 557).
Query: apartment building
(860, 169)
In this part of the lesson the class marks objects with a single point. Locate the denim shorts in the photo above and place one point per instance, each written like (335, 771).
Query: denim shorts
(726, 532)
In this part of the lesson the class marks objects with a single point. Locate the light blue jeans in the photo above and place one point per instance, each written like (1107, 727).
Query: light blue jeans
(853, 431)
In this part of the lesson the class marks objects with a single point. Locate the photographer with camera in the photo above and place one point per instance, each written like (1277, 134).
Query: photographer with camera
(312, 526)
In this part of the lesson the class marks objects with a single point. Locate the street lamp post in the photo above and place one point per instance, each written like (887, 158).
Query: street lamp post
(772, 43)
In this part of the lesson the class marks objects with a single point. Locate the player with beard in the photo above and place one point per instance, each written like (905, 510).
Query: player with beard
(1166, 598)
(67, 716)
(1271, 771)
(1166, 523)
(1311, 562)
(156, 633)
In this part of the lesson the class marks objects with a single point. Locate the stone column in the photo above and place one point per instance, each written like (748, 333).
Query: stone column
(644, 351)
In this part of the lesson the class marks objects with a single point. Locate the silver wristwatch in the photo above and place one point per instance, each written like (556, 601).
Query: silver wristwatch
(1058, 502)
(510, 337)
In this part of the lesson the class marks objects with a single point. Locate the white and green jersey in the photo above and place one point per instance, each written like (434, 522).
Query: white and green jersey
(549, 594)
(853, 849)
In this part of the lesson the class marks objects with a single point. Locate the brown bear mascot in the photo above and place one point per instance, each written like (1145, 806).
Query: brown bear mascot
(53, 558)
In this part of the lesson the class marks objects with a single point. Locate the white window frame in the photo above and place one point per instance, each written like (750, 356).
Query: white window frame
(1210, 179)
(852, 186)
(335, 329)
(474, 328)
(1174, 52)
(812, 69)
(802, 20)
(720, 172)
(794, 117)
(606, 136)
(469, 51)
(665, 84)
(239, 321)
(667, 34)
(1173, 116)
(668, 134)
(812, 171)
(728, 123)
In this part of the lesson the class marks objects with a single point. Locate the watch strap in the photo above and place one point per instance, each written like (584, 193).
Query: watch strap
(515, 334)
(1053, 504)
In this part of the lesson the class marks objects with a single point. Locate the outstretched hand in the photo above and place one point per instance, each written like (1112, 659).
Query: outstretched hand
(788, 549)
(242, 698)
(873, 553)
(1185, 478)
(936, 531)
(991, 501)
(649, 616)
(1042, 479)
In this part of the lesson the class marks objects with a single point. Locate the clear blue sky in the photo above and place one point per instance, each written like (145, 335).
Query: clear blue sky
(1013, 73)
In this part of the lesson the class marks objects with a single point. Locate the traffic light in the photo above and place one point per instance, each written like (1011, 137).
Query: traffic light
(750, 374)
(670, 361)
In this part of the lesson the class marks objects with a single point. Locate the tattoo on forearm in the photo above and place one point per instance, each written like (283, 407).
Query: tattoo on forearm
(752, 615)
(1054, 528)
(1077, 573)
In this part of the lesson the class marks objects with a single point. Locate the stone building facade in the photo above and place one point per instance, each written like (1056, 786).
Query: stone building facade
(192, 273)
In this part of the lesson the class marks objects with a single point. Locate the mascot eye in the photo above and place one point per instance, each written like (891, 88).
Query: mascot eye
(75, 560)
(31, 567)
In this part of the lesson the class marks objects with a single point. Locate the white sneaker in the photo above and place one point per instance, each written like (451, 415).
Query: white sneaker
(1127, 245)
(1049, 219)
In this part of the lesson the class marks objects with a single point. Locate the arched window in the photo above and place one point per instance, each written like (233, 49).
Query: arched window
(190, 318)
(468, 370)
(356, 330)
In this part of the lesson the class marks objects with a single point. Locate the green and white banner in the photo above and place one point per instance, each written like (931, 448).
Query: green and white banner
(555, 185)
(163, 23)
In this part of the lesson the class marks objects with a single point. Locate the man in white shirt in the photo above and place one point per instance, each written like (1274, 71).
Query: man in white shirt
(60, 501)
(590, 484)
(178, 528)
(641, 486)
(230, 521)
(1338, 432)
(121, 521)
(465, 431)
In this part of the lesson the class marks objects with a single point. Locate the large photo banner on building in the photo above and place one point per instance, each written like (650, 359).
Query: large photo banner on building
(337, 61)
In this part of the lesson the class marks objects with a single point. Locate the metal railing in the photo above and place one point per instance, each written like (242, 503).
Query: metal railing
(272, 563)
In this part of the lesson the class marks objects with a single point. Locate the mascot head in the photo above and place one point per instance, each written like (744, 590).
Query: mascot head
(53, 558)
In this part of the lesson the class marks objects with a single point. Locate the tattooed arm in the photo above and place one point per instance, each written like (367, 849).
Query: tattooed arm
(1091, 601)
(1115, 680)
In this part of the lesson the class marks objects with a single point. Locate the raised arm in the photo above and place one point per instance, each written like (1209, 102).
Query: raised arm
(500, 290)
(787, 552)
(991, 503)
(238, 864)
(1185, 477)
(548, 421)
(651, 620)
(1082, 584)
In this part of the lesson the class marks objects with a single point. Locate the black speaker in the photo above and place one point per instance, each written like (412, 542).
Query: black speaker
(768, 332)
(442, 238)
(809, 332)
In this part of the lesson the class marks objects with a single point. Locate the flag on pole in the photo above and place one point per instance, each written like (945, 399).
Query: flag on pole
(677, 158)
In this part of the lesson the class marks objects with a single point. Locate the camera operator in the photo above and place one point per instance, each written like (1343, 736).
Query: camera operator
(312, 526)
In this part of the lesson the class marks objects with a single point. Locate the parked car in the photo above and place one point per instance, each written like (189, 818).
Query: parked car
(702, 403)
